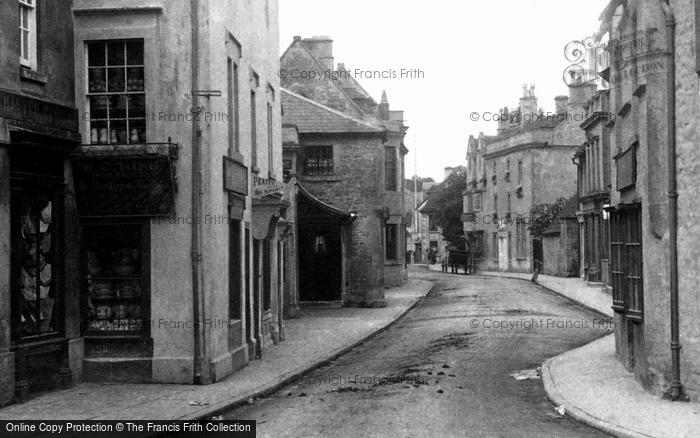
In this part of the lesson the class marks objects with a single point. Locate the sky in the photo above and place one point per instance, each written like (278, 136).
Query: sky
(471, 56)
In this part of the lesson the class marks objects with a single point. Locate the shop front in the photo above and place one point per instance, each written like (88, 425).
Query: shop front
(269, 230)
(39, 340)
(119, 192)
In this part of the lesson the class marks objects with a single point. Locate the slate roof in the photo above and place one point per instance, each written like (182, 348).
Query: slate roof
(313, 118)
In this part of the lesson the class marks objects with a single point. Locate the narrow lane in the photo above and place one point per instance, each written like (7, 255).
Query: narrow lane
(444, 370)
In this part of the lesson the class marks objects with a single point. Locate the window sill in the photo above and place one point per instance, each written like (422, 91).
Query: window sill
(392, 263)
(27, 74)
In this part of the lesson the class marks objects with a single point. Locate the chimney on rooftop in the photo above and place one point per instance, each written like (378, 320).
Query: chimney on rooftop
(321, 47)
(561, 105)
(503, 121)
(528, 104)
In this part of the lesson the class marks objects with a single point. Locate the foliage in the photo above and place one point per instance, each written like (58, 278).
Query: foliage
(449, 203)
(543, 215)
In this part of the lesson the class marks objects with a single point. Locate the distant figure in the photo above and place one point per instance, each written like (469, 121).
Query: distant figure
(444, 261)
(538, 268)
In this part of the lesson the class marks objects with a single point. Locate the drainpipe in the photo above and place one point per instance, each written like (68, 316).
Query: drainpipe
(196, 200)
(676, 386)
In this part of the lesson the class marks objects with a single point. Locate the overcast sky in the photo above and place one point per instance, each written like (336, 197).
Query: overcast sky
(475, 56)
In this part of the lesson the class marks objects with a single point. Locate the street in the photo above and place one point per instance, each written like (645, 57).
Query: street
(443, 370)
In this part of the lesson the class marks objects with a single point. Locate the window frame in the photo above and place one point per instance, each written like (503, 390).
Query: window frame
(391, 243)
(477, 206)
(107, 93)
(30, 28)
(328, 160)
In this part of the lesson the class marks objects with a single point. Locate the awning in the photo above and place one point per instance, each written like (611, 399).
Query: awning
(311, 207)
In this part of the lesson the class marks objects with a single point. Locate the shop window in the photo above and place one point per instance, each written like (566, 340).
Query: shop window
(116, 257)
(626, 262)
(27, 33)
(390, 169)
(392, 242)
(35, 299)
(116, 92)
(318, 160)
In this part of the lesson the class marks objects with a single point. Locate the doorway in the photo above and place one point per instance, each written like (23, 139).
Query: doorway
(320, 262)
(537, 255)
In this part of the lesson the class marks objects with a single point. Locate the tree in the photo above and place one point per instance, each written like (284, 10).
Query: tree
(543, 215)
(449, 204)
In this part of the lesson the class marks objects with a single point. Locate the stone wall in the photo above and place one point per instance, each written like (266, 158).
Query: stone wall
(357, 186)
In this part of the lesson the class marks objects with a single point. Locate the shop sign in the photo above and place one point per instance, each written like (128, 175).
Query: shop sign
(263, 187)
(27, 109)
(235, 177)
(124, 186)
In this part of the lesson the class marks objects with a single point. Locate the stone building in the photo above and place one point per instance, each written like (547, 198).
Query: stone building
(40, 326)
(172, 213)
(655, 259)
(560, 242)
(527, 163)
(592, 160)
(348, 172)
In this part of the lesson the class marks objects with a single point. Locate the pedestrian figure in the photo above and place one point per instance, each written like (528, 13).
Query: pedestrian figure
(444, 261)
(538, 268)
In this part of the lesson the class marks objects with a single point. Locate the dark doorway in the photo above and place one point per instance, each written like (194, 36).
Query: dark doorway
(250, 335)
(320, 262)
(537, 255)
(234, 283)
(256, 297)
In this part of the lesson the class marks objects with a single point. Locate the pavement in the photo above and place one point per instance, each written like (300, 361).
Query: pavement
(593, 387)
(317, 337)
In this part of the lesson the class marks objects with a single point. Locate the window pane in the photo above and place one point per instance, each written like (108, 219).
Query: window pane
(134, 79)
(115, 53)
(137, 131)
(116, 80)
(134, 52)
(137, 106)
(96, 54)
(25, 44)
(98, 132)
(97, 82)
(98, 107)
(117, 132)
(117, 106)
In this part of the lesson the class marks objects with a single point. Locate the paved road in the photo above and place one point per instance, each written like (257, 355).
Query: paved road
(443, 370)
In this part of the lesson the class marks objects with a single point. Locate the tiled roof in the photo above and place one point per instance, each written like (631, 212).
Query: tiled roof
(312, 117)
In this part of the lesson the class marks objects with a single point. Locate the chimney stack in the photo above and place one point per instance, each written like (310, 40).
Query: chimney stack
(503, 121)
(579, 95)
(561, 105)
(321, 47)
(528, 105)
